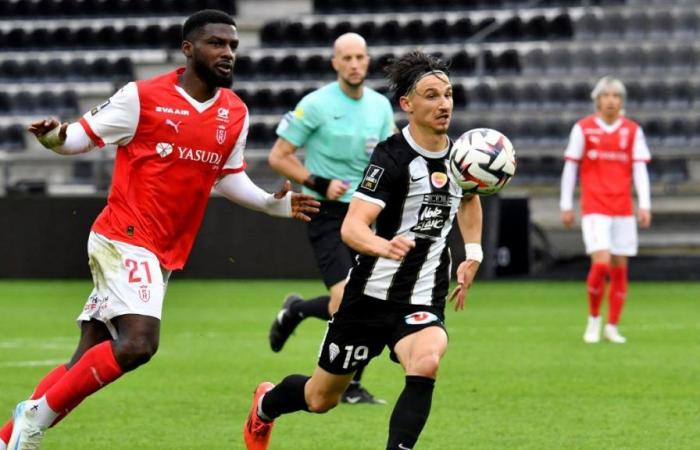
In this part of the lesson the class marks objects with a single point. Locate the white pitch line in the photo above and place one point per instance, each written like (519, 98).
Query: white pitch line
(35, 363)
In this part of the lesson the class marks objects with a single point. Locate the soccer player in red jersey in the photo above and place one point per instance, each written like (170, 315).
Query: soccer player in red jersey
(611, 154)
(178, 135)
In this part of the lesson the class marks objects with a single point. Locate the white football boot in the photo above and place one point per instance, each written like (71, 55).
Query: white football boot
(592, 333)
(27, 434)
(614, 336)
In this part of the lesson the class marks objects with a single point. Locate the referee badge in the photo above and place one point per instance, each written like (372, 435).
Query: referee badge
(372, 176)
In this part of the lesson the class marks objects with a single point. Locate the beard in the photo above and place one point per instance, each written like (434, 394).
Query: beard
(354, 84)
(210, 77)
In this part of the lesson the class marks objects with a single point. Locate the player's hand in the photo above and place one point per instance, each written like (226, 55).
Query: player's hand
(644, 218)
(465, 276)
(336, 189)
(567, 218)
(302, 204)
(41, 127)
(398, 247)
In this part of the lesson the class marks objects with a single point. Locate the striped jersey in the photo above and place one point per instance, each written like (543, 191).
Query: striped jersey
(419, 201)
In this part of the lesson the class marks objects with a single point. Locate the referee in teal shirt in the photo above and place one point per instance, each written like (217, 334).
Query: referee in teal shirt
(338, 125)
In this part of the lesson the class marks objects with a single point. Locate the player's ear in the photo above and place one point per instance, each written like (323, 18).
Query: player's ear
(405, 104)
(186, 48)
(334, 63)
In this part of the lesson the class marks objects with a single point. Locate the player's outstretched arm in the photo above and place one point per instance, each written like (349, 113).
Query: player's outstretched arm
(240, 189)
(356, 232)
(61, 138)
(469, 218)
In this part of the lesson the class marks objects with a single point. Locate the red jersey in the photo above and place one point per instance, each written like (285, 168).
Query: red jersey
(171, 151)
(606, 154)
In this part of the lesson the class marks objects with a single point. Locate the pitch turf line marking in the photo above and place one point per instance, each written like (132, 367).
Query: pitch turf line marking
(35, 363)
(54, 343)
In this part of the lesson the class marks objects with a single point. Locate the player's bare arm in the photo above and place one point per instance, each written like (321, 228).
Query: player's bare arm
(356, 232)
(568, 218)
(284, 161)
(469, 218)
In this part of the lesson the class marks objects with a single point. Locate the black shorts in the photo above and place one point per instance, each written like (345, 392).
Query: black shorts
(364, 325)
(333, 257)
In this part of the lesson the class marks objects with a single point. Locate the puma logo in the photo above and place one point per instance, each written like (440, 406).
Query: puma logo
(174, 125)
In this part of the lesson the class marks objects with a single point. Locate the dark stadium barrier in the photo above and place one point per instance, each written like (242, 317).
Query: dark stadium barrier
(46, 237)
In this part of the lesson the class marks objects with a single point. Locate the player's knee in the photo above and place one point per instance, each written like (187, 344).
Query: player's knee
(425, 365)
(133, 352)
(320, 404)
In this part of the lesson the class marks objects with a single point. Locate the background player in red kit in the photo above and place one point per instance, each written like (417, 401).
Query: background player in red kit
(612, 153)
(178, 135)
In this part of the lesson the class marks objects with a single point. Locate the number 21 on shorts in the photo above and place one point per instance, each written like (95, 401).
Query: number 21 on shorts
(138, 270)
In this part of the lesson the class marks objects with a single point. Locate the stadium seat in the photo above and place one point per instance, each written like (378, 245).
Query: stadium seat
(317, 66)
(609, 60)
(661, 25)
(368, 30)
(659, 60)
(266, 67)
(271, 33)
(561, 27)
(462, 63)
(319, 33)
(462, 29)
(482, 97)
(287, 99)
(536, 29)
(686, 24)
(612, 26)
(10, 69)
(535, 62)
(559, 61)
(438, 31)
(531, 98)
(557, 95)
(415, 31)
(587, 27)
(390, 32)
(684, 58)
(460, 96)
(505, 96)
(633, 60)
(584, 61)
(637, 25)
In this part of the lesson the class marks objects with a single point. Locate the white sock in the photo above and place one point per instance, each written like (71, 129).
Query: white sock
(261, 414)
(3, 445)
(44, 415)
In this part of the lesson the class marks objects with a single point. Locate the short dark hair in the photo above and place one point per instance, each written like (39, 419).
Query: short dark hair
(198, 20)
(404, 72)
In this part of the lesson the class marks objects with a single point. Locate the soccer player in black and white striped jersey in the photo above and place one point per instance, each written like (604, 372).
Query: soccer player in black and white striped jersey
(398, 221)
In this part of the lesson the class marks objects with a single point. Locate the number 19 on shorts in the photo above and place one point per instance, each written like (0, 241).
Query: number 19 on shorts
(356, 354)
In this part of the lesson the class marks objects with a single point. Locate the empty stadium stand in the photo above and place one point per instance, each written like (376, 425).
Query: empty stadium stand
(525, 67)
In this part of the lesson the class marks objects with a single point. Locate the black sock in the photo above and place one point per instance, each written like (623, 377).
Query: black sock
(358, 376)
(286, 397)
(411, 412)
(315, 307)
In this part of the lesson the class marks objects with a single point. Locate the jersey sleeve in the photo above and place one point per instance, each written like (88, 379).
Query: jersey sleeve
(640, 150)
(574, 151)
(296, 126)
(379, 178)
(114, 121)
(236, 162)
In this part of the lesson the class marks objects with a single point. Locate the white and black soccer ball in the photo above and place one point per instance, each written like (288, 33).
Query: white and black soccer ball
(482, 161)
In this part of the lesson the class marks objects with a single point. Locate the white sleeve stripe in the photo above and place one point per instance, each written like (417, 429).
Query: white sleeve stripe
(367, 198)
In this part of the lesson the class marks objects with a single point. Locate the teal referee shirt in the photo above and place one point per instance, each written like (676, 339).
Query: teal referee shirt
(338, 133)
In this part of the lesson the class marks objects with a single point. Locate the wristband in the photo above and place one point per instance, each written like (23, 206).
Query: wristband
(52, 138)
(473, 252)
(318, 184)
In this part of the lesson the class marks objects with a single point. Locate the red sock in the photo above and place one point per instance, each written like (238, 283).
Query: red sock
(94, 370)
(596, 286)
(44, 384)
(618, 293)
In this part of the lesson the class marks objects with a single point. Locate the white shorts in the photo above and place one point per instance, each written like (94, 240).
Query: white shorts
(128, 280)
(617, 234)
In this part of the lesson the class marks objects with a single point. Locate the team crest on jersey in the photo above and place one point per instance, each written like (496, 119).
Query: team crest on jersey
(144, 293)
(99, 108)
(421, 317)
(221, 134)
(439, 179)
(333, 351)
(372, 176)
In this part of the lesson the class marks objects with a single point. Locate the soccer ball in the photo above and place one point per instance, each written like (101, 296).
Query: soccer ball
(482, 161)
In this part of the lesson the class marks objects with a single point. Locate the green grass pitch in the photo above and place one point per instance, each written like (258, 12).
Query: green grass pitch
(516, 376)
